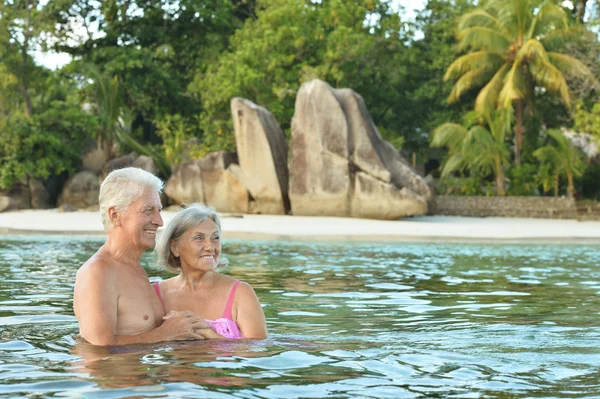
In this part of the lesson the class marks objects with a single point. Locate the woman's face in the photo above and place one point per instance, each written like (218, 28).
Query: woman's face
(198, 248)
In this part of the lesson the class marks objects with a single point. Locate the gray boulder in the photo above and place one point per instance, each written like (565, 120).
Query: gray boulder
(262, 151)
(18, 197)
(81, 191)
(94, 160)
(147, 163)
(185, 184)
(215, 180)
(118, 163)
(40, 198)
(339, 164)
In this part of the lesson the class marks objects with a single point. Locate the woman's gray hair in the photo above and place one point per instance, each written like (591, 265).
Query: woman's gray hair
(190, 217)
(122, 187)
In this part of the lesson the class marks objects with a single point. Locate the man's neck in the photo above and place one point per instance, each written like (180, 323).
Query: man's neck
(120, 249)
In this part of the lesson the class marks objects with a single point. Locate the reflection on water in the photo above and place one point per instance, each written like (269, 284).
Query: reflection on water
(345, 320)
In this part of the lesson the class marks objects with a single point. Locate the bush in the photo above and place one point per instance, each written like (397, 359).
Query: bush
(45, 144)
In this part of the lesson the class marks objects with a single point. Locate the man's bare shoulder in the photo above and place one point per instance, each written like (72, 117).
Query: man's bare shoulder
(99, 267)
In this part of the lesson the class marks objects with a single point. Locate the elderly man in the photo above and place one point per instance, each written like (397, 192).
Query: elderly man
(114, 301)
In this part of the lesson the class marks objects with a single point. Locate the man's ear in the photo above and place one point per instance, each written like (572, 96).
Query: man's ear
(114, 217)
(174, 249)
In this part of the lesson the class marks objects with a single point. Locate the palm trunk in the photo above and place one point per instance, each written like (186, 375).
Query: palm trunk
(499, 178)
(581, 10)
(519, 129)
(571, 186)
(556, 181)
(24, 63)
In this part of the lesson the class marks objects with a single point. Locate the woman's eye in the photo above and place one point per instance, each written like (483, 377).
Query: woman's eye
(216, 238)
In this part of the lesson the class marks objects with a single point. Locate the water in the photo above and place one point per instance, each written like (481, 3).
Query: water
(346, 320)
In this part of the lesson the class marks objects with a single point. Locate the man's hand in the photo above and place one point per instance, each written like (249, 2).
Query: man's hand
(179, 326)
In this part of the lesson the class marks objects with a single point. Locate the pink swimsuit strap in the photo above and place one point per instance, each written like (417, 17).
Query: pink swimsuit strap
(157, 290)
(227, 311)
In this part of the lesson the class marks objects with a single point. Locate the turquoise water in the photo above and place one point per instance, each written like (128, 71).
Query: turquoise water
(346, 320)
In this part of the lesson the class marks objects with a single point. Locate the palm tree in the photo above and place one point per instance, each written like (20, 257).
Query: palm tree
(563, 158)
(477, 149)
(511, 49)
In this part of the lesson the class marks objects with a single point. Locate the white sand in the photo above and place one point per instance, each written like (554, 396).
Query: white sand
(430, 228)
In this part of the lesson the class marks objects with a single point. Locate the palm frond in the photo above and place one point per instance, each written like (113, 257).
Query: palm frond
(470, 80)
(547, 154)
(514, 87)
(549, 18)
(480, 17)
(557, 38)
(488, 96)
(453, 163)
(448, 135)
(468, 62)
(571, 66)
(548, 76)
(482, 38)
(523, 16)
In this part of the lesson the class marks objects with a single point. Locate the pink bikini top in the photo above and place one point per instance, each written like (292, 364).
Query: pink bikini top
(224, 325)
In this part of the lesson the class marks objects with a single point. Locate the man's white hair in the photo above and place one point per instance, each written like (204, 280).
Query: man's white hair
(122, 187)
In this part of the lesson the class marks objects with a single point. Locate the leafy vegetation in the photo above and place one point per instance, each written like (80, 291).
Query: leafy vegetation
(164, 73)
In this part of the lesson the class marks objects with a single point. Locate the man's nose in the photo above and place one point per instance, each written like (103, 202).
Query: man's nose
(157, 220)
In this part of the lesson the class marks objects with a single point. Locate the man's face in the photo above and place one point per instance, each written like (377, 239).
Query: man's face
(142, 218)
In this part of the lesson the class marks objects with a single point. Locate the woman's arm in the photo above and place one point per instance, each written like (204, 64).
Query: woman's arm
(249, 315)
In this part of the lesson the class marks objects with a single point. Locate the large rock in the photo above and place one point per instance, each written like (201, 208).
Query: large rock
(40, 197)
(18, 197)
(147, 163)
(230, 194)
(118, 163)
(262, 152)
(215, 180)
(185, 184)
(94, 160)
(339, 164)
(81, 190)
(371, 153)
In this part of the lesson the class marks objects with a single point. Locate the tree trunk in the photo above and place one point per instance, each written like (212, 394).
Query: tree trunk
(556, 181)
(571, 187)
(581, 10)
(24, 62)
(519, 129)
(25, 90)
(500, 179)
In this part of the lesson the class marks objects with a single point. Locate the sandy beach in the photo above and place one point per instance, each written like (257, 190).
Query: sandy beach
(426, 228)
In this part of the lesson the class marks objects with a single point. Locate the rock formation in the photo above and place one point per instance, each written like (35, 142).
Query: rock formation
(262, 151)
(339, 164)
(214, 180)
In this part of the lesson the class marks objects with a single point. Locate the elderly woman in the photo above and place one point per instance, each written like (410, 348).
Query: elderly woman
(191, 246)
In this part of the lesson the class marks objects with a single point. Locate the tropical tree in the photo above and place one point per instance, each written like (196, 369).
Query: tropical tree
(563, 157)
(477, 149)
(512, 49)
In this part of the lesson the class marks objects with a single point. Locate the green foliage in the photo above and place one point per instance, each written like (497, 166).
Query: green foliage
(472, 185)
(348, 44)
(563, 158)
(523, 180)
(587, 121)
(512, 48)
(476, 149)
(48, 143)
(177, 140)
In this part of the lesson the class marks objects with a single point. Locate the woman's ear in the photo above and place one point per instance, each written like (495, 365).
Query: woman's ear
(114, 217)
(174, 249)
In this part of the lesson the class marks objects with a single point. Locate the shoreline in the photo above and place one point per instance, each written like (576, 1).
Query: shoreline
(311, 228)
